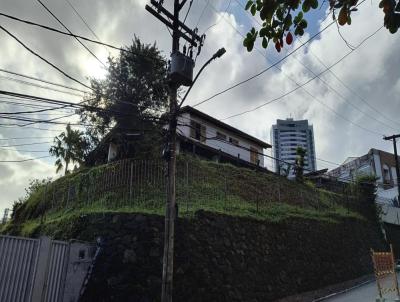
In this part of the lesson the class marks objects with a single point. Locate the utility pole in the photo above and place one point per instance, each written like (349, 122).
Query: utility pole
(393, 138)
(180, 73)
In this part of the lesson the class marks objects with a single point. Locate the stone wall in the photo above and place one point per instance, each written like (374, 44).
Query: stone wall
(221, 258)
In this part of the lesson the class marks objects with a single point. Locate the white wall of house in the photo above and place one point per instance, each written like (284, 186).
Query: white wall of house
(390, 214)
(211, 131)
(386, 196)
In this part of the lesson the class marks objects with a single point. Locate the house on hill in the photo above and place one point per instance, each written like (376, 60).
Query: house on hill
(198, 134)
(207, 137)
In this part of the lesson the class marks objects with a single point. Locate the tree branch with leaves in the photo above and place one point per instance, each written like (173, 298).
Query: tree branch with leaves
(283, 18)
(69, 147)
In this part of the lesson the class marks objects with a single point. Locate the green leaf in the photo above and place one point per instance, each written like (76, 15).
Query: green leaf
(303, 24)
(264, 43)
(263, 14)
(306, 6)
(298, 18)
(288, 21)
(248, 4)
(279, 14)
(314, 4)
(349, 20)
(253, 9)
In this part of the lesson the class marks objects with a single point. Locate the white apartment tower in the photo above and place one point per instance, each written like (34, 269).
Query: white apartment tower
(286, 136)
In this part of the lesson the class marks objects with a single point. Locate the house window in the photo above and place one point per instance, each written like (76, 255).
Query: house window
(234, 141)
(197, 131)
(253, 155)
(386, 174)
(221, 136)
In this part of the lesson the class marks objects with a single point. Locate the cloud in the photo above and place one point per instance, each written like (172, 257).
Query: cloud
(372, 71)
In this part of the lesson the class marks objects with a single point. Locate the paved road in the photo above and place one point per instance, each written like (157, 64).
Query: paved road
(365, 293)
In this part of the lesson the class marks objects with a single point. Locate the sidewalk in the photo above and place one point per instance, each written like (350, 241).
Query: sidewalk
(365, 293)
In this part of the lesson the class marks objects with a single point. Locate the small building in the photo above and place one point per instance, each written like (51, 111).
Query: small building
(207, 137)
(375, 163)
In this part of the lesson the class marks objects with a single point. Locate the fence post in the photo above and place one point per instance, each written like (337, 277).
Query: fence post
(87, 189)
(69, 189)
(41, 268)
(130, 183)
(187, 187)
(43, 207)
(279, 193)
(257, 198)
(302, 198)
(225, 191)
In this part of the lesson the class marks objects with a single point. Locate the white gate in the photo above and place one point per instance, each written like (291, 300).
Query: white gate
(36, 270)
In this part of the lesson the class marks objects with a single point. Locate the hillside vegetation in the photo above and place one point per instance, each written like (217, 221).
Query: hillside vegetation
(137, 186)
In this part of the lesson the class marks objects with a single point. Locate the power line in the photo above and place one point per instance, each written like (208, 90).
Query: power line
(41, 80)
(25, 103)
(23, 160)
(71, 34)
(262, 71)
(20, 151)
(298, 85)
(17, 126)
(266, 69)
(39, 86)
(327, 161)
(83, 20)
(30, 137)
(43, 59)
(202, 12)
(27, 144)
(66, 28)
(308, 81)
(349, 88)
(324, 82)
(220, 17)
(187, 12)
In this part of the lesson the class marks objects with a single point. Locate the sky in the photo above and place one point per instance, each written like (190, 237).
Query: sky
(350, 107)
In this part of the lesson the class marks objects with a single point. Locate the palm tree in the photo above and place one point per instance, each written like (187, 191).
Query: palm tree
(69, 147)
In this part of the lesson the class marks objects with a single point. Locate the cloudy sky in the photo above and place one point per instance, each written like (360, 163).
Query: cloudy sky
(350, 107)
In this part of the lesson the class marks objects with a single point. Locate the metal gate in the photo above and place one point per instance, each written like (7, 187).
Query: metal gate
(18, 263)
(36, 270)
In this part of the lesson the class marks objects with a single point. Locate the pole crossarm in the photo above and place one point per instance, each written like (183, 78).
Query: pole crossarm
(170, 25)
(160, 9)
(388, 138)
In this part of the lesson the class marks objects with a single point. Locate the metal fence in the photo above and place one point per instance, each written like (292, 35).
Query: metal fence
(142, 183)
(36, 270)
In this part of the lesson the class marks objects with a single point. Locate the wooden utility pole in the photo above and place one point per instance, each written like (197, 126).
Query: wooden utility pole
(181, 73)
(396, 158)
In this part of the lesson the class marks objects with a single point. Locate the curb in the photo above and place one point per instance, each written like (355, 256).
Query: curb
(343, 291)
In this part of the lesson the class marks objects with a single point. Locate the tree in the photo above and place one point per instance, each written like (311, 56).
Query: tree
(299, 167)
(69, 147)
(282, 17)
(134, 92)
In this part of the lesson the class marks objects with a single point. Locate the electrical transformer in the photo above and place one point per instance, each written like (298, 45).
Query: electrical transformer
(181, 69)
